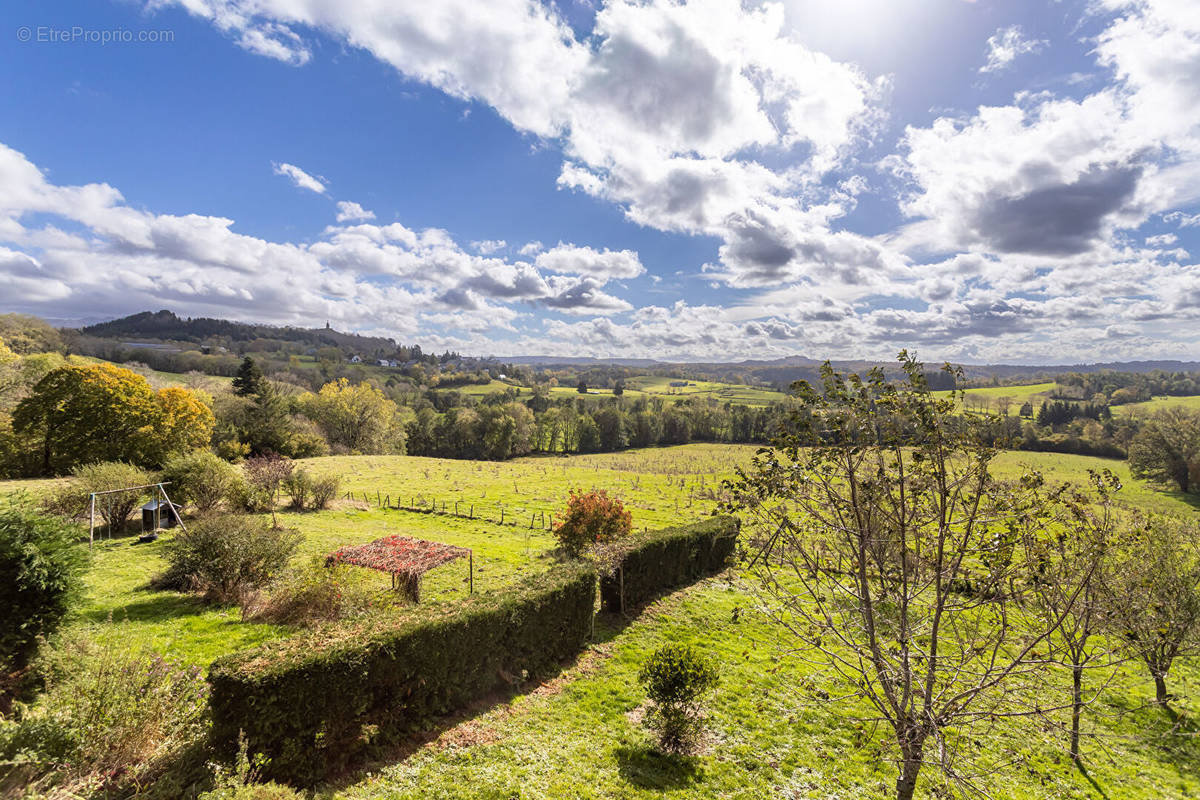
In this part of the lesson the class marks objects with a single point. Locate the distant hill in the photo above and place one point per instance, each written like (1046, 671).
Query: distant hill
(166, 326)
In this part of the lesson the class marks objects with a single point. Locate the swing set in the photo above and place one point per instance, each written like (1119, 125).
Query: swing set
(161, 495)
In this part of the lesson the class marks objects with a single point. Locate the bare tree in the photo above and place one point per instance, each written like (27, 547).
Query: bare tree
(1067, 588)
(1153, 592)
(892, 556)
(268, 473)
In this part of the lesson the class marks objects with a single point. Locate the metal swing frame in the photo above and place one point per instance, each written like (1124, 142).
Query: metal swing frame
(157, 511)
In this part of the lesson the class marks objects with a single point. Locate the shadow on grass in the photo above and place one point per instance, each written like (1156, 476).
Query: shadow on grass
(159, 608)
(647, 768)
(1083, 770)
(1192, 500)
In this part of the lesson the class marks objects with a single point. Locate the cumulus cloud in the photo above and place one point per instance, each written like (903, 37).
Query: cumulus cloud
(300, 178)
(1005, 45)
(352, 212)
(663, 109)
(603, 265)
(385, 276)
(489, 246)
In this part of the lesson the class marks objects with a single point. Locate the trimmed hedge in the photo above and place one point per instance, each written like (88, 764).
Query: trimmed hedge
(312, 703)
(656, 561)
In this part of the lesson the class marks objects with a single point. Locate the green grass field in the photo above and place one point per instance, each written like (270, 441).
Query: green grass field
(771, 734)
(991, 396)
(1191, 402)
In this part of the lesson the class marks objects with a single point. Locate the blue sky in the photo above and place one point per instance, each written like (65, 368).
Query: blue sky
(983, 181)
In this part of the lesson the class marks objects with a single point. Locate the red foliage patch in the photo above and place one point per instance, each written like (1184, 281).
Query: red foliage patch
(398, 555)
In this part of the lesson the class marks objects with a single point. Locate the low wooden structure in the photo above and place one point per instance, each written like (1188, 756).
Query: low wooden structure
(405, 558)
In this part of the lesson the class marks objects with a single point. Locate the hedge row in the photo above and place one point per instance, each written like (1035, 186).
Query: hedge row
(655, 561)
(314, 702)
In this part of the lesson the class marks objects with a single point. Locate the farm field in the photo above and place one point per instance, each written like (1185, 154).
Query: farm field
(577, 735)
(1191, 402)
(1033, 393)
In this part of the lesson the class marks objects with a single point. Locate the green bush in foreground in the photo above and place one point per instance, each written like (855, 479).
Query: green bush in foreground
(676, 678)
(225, 557)
(41, 563)
(108, 718)
(312, 703)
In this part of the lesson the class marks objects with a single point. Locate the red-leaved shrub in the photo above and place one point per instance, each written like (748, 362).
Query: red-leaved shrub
(591, 518)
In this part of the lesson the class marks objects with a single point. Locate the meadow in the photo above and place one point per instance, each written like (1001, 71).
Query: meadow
(773, 731)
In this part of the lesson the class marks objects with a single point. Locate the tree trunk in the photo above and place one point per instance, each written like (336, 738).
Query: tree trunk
(1076, 708)
(1160, 689)
(906, 783)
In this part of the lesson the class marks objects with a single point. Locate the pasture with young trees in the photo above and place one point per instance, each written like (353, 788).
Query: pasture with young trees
(918, 609)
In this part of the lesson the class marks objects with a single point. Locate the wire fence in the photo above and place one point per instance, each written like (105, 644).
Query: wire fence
(494, 513)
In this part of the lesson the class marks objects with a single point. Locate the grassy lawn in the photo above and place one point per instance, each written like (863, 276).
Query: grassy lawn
(771, 733)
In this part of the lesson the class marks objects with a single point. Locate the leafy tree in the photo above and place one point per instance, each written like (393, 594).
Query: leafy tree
(41, 566)
(587, 434)
(249, 379)
(1068, 587)
(1167, 448)
(619, 388)
(582, 386)
(1153, 594)
(357, 417)
(676, 678)
(97, 412)
(185, 423)
(101, 412)
(893, 557)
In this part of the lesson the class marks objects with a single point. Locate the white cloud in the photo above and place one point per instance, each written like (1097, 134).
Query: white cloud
(299, 177)
(489, 246)
(352, 212)
(1006, 45)
(386, 276)
(666, 109)
(603, 265)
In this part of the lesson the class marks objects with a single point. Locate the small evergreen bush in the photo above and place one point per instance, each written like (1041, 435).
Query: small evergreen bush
(676, 678)
(41, 564)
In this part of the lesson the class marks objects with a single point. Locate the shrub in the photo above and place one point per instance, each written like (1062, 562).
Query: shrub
(41, 563)
(314, 701)
(226, 556)
(649, 563)
(324, 490)
(315, 593)
(676, 678)
(309, 493)
(299, 485)
(108, 716)
(591, 518)
(113, 509)
(241, 782)
(201, 479)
